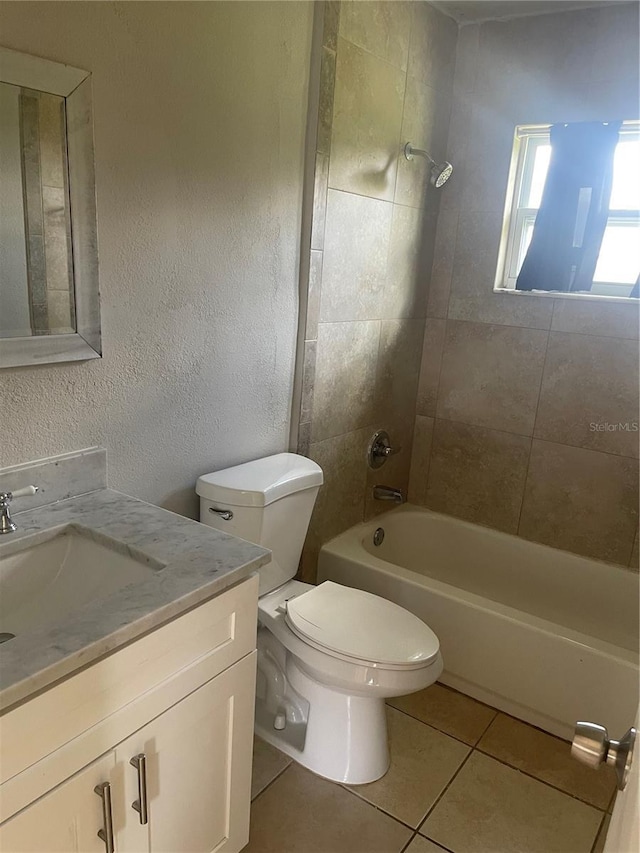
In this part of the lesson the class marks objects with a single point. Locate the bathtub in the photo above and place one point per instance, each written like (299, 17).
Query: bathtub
(544, 635)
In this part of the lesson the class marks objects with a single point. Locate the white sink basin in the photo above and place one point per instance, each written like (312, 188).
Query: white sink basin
(42, 584)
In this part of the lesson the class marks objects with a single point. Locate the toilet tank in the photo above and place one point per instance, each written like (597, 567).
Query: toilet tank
(268, 501)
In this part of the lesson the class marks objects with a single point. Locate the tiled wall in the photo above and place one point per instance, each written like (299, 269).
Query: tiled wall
(47, 213)
(386, 78)
(511, 384)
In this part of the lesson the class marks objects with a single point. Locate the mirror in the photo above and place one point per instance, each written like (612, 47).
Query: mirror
(49, 300)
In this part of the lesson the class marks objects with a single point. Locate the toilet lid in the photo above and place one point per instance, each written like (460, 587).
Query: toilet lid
(358, 624)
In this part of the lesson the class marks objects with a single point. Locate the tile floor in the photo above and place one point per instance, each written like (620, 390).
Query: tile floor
(464, 778)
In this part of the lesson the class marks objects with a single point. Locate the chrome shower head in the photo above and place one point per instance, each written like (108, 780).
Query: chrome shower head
(440, 172)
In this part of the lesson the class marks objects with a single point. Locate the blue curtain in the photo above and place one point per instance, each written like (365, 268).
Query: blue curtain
(571, 222)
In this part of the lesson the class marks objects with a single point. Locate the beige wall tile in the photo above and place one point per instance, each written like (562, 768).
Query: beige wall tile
(589, 392)
(313, 297)
(268, 762)
(52, 157)
(548, 759)
(420, 459)
(490, 807)
(59, 311)
(473, 278)
(491, 375)
(434, 337)
(432, 51)
(341, 499)
(477, 474)
(382, 28)
(425, 123)
(367, 115)
(344, 396)
(409, 263)
(467, 47)
(319, 201)
(325, 107)
(331, 24)
(56, 243)
(443, 254)
(447, 710)
(301, 812)
(591, 317)
(422, 762)
(355, 257)
(398, 368)
(308, 380)
(582, 501)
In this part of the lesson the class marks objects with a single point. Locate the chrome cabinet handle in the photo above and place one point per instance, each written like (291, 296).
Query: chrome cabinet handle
(140, 805)
(106, 833)
(225, 514)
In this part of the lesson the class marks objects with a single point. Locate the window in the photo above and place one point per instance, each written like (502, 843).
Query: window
(619, 260)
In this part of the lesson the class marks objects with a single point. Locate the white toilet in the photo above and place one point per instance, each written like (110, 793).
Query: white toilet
(328, 655)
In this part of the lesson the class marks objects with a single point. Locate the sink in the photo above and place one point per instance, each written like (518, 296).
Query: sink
(41, 584)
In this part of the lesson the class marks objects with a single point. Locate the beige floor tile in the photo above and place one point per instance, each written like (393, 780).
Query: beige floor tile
(602, 835)
(423, 761)
(302, 813)
(423, 845)
(492, 808)
(451, 712)
(268, 762)
(547, 758)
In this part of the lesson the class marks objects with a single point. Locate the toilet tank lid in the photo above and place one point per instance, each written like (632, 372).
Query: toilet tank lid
(260, 482)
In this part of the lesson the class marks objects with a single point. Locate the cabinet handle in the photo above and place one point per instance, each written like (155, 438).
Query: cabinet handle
(106, 834)
(140, 805)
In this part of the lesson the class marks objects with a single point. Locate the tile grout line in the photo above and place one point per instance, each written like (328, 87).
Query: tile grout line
(430, 810)
(270, 783)
(475, 747)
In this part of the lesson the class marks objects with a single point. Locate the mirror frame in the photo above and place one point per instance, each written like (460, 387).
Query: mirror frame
(74, 85)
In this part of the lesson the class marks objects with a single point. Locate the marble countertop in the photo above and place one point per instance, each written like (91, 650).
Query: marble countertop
(193, 562)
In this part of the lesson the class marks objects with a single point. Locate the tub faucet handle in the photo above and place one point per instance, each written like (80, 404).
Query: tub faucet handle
(380, 449)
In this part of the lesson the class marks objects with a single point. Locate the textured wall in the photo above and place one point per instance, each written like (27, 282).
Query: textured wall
(511, 384)
(386, 77)
(199, 113)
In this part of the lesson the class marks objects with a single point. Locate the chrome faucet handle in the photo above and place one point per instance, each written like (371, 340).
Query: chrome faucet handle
(7, 525)
(380, 449)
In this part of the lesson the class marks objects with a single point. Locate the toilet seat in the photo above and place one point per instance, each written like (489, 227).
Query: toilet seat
(360, 627)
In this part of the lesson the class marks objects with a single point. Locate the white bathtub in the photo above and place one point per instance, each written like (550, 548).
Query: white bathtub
(542, 634)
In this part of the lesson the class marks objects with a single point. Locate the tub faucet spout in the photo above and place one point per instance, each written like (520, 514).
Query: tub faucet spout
(388, 493)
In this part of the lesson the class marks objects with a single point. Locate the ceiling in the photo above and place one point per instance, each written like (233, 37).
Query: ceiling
(469, 11)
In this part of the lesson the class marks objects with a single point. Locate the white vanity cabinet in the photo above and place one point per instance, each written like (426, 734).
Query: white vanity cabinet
(182, 696)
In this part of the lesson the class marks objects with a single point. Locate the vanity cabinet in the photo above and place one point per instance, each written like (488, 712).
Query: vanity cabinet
(194, 727)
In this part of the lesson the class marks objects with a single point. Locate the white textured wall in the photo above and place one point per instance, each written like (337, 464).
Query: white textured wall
(199, 112)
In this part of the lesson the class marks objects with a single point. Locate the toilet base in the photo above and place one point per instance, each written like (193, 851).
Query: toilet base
(345, 738)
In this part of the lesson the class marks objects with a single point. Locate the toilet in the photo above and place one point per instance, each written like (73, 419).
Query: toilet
(328, 655)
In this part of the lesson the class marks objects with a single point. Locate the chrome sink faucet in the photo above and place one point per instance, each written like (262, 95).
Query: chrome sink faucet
(388, 493)
(6, 524)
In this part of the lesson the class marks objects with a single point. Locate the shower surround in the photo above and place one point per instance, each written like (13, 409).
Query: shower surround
(491, 396)
(386, 78)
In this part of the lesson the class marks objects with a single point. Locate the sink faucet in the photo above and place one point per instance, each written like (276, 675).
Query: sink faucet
(388, 493)
(6, 524)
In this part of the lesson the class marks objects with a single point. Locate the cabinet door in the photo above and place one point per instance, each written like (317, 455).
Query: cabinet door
(67, 820)
(198, 768)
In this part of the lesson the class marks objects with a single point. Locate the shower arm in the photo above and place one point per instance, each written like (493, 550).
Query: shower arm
(410, 152)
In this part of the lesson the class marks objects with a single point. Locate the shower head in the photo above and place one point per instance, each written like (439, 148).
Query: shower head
(440, 172)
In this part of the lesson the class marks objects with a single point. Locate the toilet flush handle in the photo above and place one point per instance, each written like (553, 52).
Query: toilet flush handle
(225, 514)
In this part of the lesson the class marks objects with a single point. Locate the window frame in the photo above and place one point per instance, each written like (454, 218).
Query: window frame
(517, 218)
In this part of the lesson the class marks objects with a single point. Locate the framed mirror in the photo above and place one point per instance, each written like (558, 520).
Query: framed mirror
(49, 292)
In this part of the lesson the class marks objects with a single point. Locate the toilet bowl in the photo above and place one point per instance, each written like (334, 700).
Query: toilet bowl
(328, 655)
